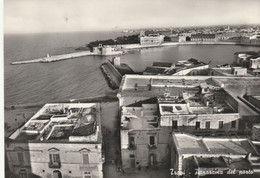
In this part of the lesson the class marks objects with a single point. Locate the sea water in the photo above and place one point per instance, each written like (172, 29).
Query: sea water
(81, 77)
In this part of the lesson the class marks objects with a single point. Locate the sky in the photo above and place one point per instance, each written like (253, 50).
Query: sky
(39, 16)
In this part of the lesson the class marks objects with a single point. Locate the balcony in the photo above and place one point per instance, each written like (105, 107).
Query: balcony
(54, 164)
(151, 147)
(131, 147)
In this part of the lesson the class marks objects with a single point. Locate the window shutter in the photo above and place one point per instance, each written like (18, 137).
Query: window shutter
(50, 158)
(85, 159)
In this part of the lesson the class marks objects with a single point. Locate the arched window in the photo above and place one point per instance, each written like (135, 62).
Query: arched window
(54, 155)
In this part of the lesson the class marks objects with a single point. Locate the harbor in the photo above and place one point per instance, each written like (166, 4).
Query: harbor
(108, 50)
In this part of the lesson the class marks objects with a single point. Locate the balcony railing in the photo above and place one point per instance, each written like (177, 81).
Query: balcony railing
(131, 147)
(54, 164)
(152, 146)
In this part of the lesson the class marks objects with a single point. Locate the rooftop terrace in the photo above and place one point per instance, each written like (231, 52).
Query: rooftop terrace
(76, 122)
(143, 114)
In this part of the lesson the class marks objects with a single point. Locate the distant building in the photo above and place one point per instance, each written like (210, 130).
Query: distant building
(249, 60)
(228, 71)
(228, 36)
(203, 37)
(182, 38)
(60, 140)
(254, 63)
(106, 50)
(151, 39)
(186, 67)
(193, 156)
(255, 39)
(174, 38)
(116, 61)
(251, 39)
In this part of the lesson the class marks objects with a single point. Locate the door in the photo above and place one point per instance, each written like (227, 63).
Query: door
(152, 160)
(57, 174)
(197, 125)
(132, 161)
(175, 124)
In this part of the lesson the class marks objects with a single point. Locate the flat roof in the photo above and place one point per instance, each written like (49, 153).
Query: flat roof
(75, 122)
(189, 144)
(135, 117)
(138, 86)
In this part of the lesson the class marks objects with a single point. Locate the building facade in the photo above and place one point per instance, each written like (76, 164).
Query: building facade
(107, 50)
(151, 39)
(248, 59)
(203, 37)
(153, 107)
(143, 144)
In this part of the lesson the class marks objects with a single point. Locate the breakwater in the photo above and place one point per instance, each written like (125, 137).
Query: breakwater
(111, 74)
(55, 58)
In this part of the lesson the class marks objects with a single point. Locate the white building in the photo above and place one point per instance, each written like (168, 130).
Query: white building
(151, 39)
(106, 50)
(60, 140)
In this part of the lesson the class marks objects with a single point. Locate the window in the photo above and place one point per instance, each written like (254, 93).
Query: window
(23, 173)
(20, 157)
(132, 156)
(174, 124)
(87, 174)
(85, 158)
(197, 125)
(178, 108)
(152, 140)
(221, 124)
(233, 124)
(131, 140)
(54, 158)
(207, 124)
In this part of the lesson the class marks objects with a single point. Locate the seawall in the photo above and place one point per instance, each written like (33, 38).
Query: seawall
(111, 74)
(137, 46)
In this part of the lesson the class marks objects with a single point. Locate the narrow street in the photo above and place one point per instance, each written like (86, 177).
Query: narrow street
(111, 138)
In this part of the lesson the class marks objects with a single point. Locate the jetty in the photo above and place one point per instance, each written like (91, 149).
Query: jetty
(101, 50)
(111, 74)
(54, 58)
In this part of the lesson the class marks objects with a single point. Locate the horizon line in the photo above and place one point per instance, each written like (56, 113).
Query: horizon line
(120, 29)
